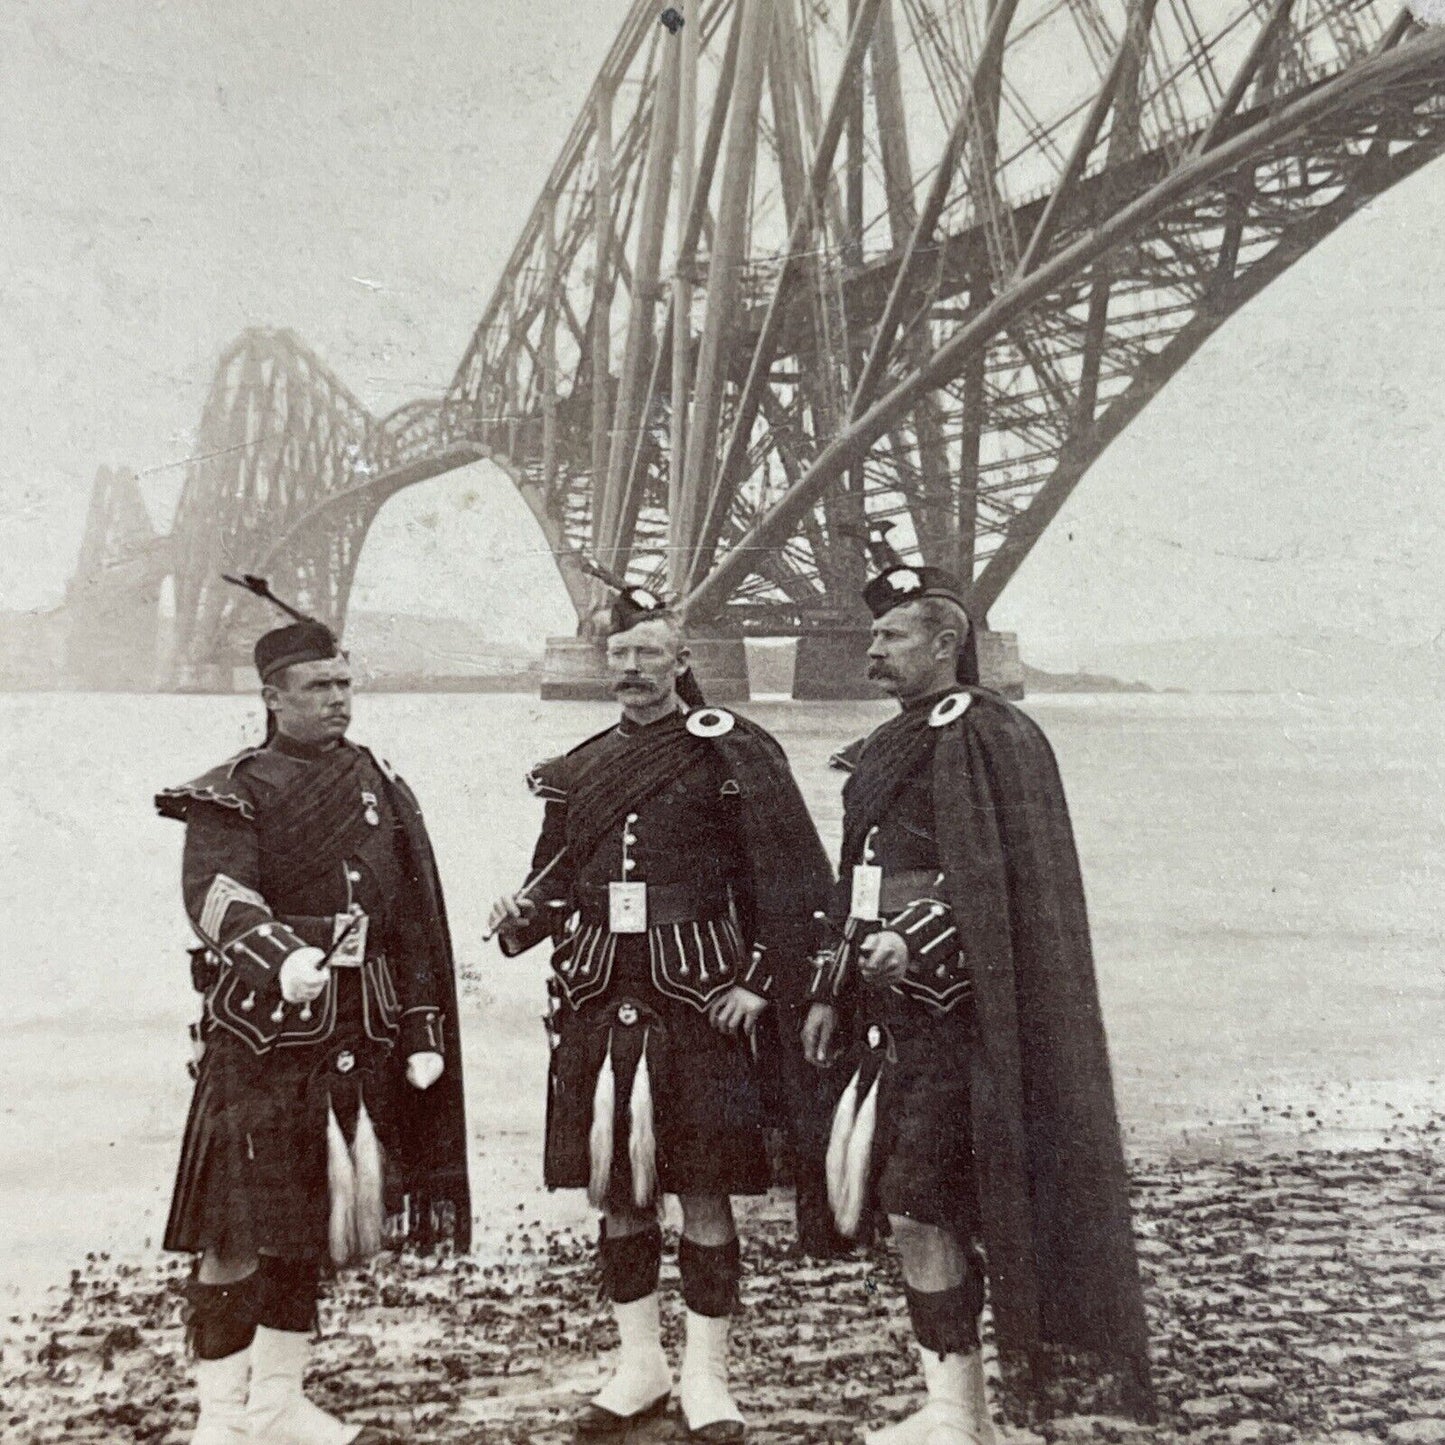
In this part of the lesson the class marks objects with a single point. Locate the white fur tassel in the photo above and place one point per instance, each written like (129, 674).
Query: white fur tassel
(341, 1177)
(366, 1155)
(844, 1117)
(849, 1211)
(604, 1104)
(642, 1143)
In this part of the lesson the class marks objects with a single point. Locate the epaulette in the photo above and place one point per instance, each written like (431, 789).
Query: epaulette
(548, 780)
(845, 760)
(217, 787)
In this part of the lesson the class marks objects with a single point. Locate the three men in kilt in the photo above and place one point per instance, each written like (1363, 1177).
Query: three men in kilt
(978, 1113)
(679, 880)
(327, 1111)
(677, 875)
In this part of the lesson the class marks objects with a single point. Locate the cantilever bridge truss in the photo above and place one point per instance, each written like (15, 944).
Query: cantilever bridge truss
(804, 266)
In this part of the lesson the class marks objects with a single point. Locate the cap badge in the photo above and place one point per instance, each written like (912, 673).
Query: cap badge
(710, 722)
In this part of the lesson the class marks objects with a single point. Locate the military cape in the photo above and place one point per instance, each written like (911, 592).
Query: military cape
(1053, 1185)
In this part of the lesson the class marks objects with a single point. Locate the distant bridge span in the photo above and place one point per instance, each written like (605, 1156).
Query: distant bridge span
(834, 262)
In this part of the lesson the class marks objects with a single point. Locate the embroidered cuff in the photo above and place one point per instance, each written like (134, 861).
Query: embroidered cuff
(927, 927)
(257, 954)
(421, 1032)
(514, 941)
(756, 974)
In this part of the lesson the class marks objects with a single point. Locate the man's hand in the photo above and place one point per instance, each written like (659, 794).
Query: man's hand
(511, 912)
(738, 1008)
(882, 959)
(818, 1033)
(423, 1070)
(304, 976)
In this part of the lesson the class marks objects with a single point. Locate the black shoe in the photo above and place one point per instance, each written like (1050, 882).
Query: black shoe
(719, 1432)
(596, 1421)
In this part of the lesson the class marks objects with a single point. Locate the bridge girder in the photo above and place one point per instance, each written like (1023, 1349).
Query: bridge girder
(812, 264)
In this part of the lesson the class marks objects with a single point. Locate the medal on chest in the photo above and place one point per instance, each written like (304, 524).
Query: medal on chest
(867, 884)
(626, 900)
(369, 801)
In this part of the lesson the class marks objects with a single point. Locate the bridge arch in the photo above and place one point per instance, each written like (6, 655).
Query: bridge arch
(291, 471)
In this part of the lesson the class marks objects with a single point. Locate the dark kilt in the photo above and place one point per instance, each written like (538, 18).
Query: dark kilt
(922, 1165)
(253, 1176)
(707, 1105)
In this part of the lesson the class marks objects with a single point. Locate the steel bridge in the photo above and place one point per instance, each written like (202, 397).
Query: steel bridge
(803, 266)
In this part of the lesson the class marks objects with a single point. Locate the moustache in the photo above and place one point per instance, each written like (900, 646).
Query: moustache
(633, 683)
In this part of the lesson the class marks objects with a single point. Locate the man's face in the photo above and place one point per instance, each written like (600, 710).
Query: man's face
(644, 663)
(903, 656)
(312, 700)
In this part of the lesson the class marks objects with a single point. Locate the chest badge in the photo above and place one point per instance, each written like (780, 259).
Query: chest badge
(371, 815)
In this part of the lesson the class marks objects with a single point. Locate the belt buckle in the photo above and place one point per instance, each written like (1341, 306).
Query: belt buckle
(353, 950)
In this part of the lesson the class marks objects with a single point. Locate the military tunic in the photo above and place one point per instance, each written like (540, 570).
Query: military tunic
(287, 846)
(658, 806)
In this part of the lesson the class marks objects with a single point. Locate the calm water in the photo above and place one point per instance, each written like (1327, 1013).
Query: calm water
(1263, 873)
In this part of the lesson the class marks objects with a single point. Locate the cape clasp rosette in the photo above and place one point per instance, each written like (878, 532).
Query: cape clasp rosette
(710, 722)
(949, 709)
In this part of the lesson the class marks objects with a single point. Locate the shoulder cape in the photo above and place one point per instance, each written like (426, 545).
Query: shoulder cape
(791, 874)
(1053, 1185)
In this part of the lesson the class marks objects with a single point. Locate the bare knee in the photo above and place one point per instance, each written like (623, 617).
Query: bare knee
(620, 1223)
(932, 1257)
(218, 1268)
(707, 1218)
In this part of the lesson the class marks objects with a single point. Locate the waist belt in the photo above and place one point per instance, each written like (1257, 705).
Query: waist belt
(666, 903)
(901, 889)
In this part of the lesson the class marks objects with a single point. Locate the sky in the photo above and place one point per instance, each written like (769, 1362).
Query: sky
(178, 170)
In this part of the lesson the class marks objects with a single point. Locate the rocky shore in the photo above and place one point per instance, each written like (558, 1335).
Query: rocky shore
(1295, 1296)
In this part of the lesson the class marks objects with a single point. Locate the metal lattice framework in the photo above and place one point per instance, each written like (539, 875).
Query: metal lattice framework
(807, 265)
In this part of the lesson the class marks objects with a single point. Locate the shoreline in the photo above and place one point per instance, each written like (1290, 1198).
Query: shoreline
(1293, 1296)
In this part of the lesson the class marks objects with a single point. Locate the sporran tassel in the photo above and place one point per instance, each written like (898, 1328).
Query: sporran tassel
(367, 1157)
(849, 1213)
(836, 1159)
(604, 1105)
(642, 1142)
(341, 1177)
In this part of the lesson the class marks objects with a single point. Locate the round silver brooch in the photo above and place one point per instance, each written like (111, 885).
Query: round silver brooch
(948, 708)
(627, 1015)
(345, 1062)
(710, 722)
